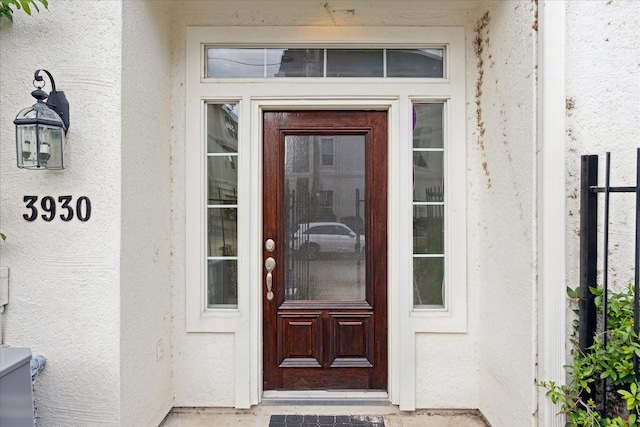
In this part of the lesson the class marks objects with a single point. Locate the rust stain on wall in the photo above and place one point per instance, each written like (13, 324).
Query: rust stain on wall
(570, 103)
(479, 44)
(331, 12)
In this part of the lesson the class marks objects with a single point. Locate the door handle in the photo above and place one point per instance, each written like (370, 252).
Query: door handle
(269, 264)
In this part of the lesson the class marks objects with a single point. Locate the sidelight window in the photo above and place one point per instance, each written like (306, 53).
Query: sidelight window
(222, 206)
(428, 206)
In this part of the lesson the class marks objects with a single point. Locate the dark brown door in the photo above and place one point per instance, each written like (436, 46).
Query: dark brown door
(325, 252)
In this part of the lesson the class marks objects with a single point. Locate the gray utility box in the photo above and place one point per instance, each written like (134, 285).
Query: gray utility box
(16, 395)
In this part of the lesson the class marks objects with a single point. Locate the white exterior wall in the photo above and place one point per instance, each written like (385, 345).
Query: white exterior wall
(502, 249)
(603, 112)
(65, 276)
(145, 310)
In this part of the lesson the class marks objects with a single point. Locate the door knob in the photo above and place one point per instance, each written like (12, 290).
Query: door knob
(269, 264)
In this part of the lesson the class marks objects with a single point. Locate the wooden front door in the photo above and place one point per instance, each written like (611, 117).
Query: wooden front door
(325, 250)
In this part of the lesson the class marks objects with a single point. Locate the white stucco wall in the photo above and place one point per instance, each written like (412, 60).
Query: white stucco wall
(502, 252)
(65, 276)
(603, 112)
(145, 301)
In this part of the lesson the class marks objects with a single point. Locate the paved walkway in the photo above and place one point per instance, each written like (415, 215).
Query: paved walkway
(259, 416)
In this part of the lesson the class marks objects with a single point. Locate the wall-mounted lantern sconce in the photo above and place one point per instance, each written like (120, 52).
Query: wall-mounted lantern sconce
(41, 128)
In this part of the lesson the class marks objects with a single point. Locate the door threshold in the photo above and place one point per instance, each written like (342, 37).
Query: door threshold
(325, 397)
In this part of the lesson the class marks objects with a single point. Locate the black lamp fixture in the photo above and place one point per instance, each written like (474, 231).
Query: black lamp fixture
(41, 128)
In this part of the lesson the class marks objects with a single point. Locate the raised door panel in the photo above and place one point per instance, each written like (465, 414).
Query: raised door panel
(300, 340)
(352, 340)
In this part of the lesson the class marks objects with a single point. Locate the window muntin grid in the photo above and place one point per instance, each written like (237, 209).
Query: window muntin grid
(223, 62)
(428, 206)
(222, 206)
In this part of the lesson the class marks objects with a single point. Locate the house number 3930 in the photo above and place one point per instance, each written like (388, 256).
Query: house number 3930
(49, 206)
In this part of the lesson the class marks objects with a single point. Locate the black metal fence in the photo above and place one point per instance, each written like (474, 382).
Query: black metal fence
(591, 195)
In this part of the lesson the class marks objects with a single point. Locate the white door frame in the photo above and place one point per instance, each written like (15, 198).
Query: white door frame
(256, 95)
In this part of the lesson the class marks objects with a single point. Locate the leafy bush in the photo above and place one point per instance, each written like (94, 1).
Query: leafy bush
(613, 363)
(7, 11)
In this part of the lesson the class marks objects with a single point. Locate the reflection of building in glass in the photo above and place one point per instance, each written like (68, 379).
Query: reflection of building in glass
(428, 154)
(428, 206)
(415, 63)
(222, 199)
(361, 63)
(325, 178)
(301, 63)
(222, 132)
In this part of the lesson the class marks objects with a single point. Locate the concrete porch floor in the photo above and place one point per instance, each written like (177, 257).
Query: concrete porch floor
(259, 416)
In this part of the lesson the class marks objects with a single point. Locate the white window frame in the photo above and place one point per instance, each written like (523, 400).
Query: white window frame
(393, 94)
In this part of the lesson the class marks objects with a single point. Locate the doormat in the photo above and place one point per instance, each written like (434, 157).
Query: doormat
(326, 421)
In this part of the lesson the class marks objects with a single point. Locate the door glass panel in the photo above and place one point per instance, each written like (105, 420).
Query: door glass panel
(324, 220)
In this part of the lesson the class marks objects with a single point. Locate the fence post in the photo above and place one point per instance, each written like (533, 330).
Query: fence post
(588, 250)
(636, 276)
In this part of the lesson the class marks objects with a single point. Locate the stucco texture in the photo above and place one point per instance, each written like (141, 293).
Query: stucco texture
(65, 276)
(145, 306)
(502, 213)
(603, 112)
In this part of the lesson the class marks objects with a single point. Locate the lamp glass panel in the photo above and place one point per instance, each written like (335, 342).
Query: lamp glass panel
(40, 146)
(50, 153)
(26, 145)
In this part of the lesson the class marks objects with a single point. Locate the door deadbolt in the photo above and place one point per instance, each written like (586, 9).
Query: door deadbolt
(270, 245)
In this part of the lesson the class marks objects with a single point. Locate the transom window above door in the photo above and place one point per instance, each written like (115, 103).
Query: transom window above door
(320, 62)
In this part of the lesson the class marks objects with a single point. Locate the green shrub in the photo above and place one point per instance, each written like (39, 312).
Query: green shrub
(613, 363)
(6, 7)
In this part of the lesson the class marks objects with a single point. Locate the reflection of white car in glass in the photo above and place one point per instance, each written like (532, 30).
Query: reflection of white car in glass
(315, 237)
